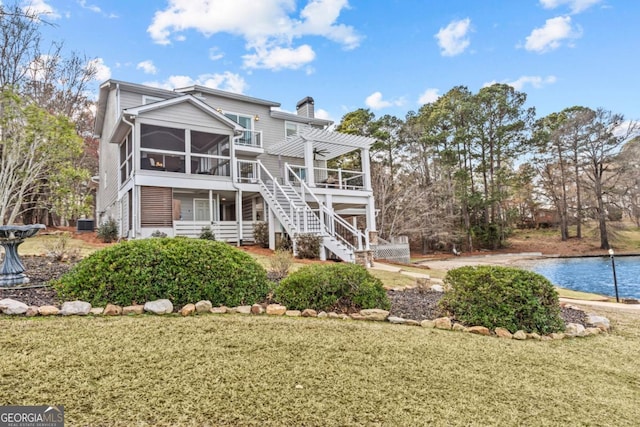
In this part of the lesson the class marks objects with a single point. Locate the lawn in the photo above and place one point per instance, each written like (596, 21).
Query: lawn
(257, 370)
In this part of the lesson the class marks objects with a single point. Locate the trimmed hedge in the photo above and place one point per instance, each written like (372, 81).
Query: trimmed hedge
(330, 286)
(502, 297)
(179, 269)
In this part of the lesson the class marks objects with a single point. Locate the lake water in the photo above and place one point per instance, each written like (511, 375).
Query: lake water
(593, 274)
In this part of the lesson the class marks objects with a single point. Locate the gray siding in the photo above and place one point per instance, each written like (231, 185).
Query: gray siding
(186, 114)
(108, 187)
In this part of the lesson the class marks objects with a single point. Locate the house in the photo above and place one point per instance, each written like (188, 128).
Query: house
(177, 161)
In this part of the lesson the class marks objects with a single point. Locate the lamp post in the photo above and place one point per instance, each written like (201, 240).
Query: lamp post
(613, 266)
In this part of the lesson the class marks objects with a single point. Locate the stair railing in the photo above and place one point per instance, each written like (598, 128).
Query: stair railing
(275, 190)
(330, 222)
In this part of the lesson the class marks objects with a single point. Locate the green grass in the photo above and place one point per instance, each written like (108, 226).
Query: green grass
(248, 370)
(568, 293)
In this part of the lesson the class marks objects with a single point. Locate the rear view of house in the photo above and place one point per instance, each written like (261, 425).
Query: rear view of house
(177, 161)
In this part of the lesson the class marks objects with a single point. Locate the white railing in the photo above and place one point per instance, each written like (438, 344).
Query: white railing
(330, 223)
(247, 171)
(249, 138)
(226, 231)
(339, 178)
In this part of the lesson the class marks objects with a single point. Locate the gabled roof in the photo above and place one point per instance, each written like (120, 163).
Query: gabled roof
(328, 145)
(131, 113)
(300, 119)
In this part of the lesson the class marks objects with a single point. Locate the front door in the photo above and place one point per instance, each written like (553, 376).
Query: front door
(201, 210)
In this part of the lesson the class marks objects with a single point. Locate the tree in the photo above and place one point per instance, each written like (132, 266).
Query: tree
(606, 134)
(33, 145)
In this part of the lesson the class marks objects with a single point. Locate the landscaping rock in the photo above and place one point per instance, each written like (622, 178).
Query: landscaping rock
(395, 319)
(309, 312)
(203, 306)
(218, 310)
(533, 336)
(458, 327)
(243, 309)
(11, 306)
(75, 308)
(503, 333)
(479, 330)
(276, 309)
(188, 310)
(344, 316)
(599, 321)
(442, 323)
(97, 311)
(520, 335)
(374, 314)
(160, 306)
(556, 336)
(546, 338)
(322, 314)
(333, 315)
(573, 330)
(427, 323)
(31, 311)
(48, 310)
(437, 288)
(112, 310)
(592, 331)
(257, 309)
(411, 322)
(293, 313)
(354, 316)
(133, 309)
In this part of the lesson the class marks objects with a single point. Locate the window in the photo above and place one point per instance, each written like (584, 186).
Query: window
(126, 158)
(292, 128)
(244, 121)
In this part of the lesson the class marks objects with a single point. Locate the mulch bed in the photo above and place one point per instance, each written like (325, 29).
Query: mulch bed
(417, 304)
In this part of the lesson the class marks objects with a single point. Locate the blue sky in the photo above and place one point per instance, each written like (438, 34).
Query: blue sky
(387, 55)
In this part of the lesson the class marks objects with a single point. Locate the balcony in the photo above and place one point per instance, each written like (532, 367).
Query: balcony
(338, 179)
(249, 142)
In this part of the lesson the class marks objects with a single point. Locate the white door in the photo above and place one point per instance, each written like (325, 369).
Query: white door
(201, 209)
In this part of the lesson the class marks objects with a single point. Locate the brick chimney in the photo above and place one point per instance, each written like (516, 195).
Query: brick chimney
(304, 107)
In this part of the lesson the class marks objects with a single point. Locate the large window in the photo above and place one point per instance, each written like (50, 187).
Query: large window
(165, 149)
(293, 128)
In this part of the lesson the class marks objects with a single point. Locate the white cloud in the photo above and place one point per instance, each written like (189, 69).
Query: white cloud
(376, 102)
(551, 35)
(269, 28)
(428, 96)
(280, 57)
(215, 54)
(103, 72)
(225, 81)
(453, 38)
(92, 7)
(536, 82)
(147, 66)
(323, 114)
(40, 8)
(576, 6)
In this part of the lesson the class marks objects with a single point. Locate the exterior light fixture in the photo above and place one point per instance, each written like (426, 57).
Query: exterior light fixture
(256, 118)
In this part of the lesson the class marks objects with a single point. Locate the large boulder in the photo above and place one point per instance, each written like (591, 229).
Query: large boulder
(374, 314)
(600, 322)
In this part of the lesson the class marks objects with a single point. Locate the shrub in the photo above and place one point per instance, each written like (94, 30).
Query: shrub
(158, 233)
(207, 234)
(279, 264)
(332, 286)
(261, 234)
(179, 269)
(283, 243)
(59, 248)
(308, 246)
(108, 231)
(502, 297)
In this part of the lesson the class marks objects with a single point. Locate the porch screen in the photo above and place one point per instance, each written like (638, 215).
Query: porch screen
(156, 207)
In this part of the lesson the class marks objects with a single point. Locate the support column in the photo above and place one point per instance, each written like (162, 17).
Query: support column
(308, 163)
(211, 207)
(366, 168)
(272, 228)
(239, 215)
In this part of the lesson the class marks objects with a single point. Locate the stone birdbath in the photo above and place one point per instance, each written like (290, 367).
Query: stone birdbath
(12, 270)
